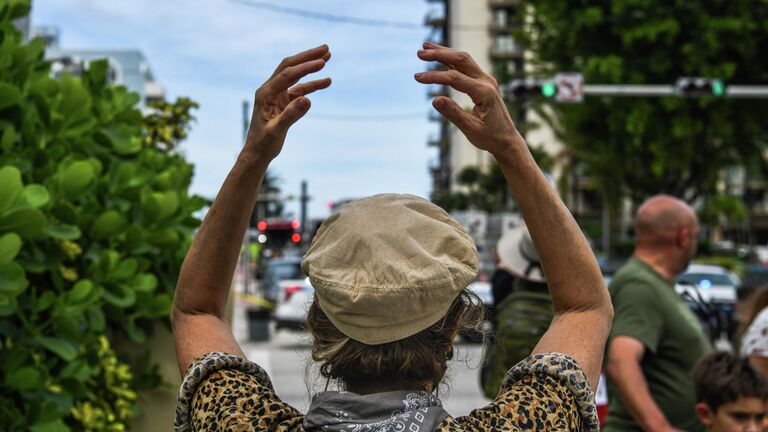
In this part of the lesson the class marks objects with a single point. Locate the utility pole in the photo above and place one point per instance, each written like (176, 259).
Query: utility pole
(245, 256)
(304, 198)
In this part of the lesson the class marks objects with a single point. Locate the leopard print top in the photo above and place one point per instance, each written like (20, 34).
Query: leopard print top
(545, 392)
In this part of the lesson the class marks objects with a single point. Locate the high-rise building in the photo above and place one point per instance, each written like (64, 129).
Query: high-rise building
(484, 30)
(126, 67)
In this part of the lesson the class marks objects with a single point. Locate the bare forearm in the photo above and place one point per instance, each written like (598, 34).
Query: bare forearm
(558, 239)
(206, 274)
(634, 393)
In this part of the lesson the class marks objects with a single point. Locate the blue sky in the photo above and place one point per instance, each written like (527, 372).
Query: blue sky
(218, 52)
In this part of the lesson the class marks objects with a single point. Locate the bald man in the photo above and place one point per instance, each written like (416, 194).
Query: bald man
(656, 340)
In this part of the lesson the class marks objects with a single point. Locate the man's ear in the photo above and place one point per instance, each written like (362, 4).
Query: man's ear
(682, 239)
(704, 413)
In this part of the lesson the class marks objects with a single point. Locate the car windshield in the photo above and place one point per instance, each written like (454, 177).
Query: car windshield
(705, 280)
(283, 271)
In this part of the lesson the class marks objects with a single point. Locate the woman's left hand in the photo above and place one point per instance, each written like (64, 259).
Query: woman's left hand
(280, 102)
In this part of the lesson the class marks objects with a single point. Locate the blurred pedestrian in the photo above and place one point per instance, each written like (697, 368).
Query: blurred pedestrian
(754, 331)
(731, 395)
(501, 283)
(524, 315)
(656, 339)
(390, 274)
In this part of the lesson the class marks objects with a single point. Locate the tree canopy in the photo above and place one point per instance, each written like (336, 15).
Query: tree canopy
(637, 147)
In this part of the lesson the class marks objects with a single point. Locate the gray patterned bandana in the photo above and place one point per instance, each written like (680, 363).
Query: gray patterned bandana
(414, 411)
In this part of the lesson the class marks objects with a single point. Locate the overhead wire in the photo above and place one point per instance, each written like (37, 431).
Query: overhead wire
(366, 117)
(347, 19)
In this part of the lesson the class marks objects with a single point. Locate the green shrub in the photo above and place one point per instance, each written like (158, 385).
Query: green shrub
(94, 224)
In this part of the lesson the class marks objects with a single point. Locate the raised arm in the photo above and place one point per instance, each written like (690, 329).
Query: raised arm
(583, 310)
(198, 307)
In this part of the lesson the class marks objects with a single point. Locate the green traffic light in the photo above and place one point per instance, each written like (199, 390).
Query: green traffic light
(548, 89)
(718, 88)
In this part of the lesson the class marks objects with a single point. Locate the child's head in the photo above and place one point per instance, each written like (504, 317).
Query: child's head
(731, 395)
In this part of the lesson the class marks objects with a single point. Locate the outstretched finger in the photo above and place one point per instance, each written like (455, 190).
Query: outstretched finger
(477, 90)
(463, 120)
(458, 60)
(291, 75)
(306, 88)
(291, 114)
(320, 52)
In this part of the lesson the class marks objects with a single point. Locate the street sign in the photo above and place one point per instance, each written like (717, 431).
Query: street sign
(570, 87)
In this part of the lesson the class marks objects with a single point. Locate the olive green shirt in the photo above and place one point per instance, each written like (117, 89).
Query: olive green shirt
(648, 309)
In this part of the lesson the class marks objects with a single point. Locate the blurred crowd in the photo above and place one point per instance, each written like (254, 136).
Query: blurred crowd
(665, 369)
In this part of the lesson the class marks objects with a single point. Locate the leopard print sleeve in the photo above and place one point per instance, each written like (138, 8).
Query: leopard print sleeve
(227, 392)
(545, 392)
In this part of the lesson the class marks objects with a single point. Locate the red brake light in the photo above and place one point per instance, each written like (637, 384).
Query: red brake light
(290, 291)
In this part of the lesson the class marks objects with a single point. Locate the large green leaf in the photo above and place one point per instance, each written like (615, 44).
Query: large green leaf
(10, 244)
(108, 224)
(169, 203)
(145, 283)
(35, 195)
(9, 95)
(50, 426)
(61, 347)
(76, 178)
(13, 279)
(119, 295)
(123, 142)
(44, 301)
(125, 270)
(26, 221)
(24, 379)
(97, 319)
(66, 212)
(74, 97)
(8, 139)
(10, 178)
(64, 232)
(80, 292)
(8, 306)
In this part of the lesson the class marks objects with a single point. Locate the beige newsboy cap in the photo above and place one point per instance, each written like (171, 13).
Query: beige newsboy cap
(389, 266)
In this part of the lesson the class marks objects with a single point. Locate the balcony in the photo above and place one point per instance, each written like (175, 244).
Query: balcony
(437, 90)
(504, 48)
(493, 4)
(436, 117)
(435, 19)
(437, 141)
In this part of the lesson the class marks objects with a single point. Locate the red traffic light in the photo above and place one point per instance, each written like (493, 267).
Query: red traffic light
(262, 225)
(296, 237)
(295, 224)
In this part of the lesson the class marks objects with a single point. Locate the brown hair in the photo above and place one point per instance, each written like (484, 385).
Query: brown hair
(756, 302)
(415, 360)
(721, 378)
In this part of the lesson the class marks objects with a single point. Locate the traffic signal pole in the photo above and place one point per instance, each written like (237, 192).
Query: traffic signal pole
(569, 87)
(652, 90)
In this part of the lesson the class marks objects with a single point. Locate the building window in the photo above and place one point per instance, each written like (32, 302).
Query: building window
(505, 44)
(500, 18)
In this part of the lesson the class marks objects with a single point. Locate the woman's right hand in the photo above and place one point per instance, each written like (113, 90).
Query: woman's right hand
(488, 126)
(279, 102)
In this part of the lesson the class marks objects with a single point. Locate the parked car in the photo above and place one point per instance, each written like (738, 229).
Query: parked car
(714, 284)
(293, 303)
(710, 291)
(279, 272)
